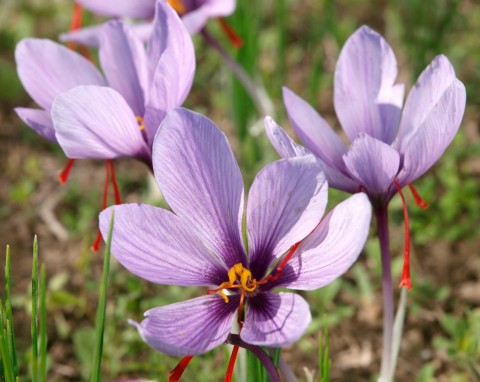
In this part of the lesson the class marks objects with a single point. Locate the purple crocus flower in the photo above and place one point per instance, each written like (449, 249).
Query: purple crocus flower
(390, 147)
(194, 14)
(200, 242)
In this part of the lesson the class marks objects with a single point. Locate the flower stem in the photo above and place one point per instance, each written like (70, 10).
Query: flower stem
(263, 357)
(388, 306)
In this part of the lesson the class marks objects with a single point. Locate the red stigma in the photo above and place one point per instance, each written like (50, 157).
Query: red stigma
(177, 373)
(231, 34)
(406, 280)
(231, 364)
(63, 176)
(418, 199)
(76, 23)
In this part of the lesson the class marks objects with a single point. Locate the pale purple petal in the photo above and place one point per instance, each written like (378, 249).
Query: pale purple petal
(275, 319)
(171, 65)
(195, 19)
(332, 248)
(201, 181)
(38, 120)
(431, 86)
(48, 69)
(366, 98)
(287, 148)
(190, 327)
(285, 203)
(120, 8)
(158, 246)
(89, 36)
(373, 163)
(96, 122)
(124, 63)
(314, 131)
(434, 134)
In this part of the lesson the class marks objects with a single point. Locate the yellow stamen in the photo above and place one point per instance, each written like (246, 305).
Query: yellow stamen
(141, 124)
(178, 6)
(238, 271)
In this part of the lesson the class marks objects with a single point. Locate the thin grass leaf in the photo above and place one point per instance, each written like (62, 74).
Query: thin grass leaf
(324, 362)
(34, 311)
(43, 324)
(101, 310)
(7, 372)
(8, 311)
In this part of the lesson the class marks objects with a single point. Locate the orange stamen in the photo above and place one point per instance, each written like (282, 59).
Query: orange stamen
(231, 34)
(406, 280)
(96, 245)
(177, 373)
(116, 189)
(418, 199)
(141, 124)
(178, 6)
(63, 176)
(231, 364)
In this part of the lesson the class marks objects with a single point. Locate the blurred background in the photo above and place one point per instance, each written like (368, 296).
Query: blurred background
(286, 42)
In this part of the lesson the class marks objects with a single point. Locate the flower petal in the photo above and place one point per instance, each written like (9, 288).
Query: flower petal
(275, 319)
(190, 327)
(434, 134)
(373, 163)
(200, 179)
(96, 122)
(120, 8)
(124, 62)
(171, 66)
(158, 246)
(38, 120)
(48, 69)
(366, 98)
(314, 131)
(195, 19)
(287, 148)
(332, 248)
(285, 203)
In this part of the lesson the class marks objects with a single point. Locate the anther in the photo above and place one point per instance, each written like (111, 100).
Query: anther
(141, 124)
(178, 6)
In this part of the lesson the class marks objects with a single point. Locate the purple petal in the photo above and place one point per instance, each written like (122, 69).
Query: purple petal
(287, 148)
(332, 248)
(158, 246)
(47, 69)
(286, 202)
(38, 120)
(314, 131)
(172, 66)
(196, 19)
(96, 122)
(366, 97)
(120, 8)
(434, 134)
(373, 163)
(190, 327)
(124, 62)
(431, 86)
(275, 319)
(200, 179)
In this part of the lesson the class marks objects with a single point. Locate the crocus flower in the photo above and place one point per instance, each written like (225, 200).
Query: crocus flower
(200, 242)
(389, 147)
(194, 13)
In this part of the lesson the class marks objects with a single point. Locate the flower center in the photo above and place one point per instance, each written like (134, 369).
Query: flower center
(178, 6)
(238, 277)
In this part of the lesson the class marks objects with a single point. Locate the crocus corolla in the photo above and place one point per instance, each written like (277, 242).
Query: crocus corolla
(200, 242)
(389, 147)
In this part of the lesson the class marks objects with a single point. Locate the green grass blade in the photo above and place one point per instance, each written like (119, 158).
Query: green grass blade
(324, 362)
(101, 310)
(43, 324)
(8, 311)
(34, 311)
(7, 369)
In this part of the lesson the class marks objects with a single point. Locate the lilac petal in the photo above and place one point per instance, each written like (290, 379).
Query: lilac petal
(275, 319)
(434, 134)
(287, 148)
(314, 131)
(124, 62)
(200, 179)
(190, 327)
(38, 120)
(171, 65)
(196, 19)
(332, 248)
(158, 246)
(431, 86)
(96, 122)
(120, 8)
(373, 163)
(366, 98)
(286, 202)
(48, 69)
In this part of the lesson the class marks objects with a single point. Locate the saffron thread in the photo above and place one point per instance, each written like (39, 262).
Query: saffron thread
(116, 189)
(96, 245)
(177, 373)
(63, 176)
(235, 39)
(418, 199)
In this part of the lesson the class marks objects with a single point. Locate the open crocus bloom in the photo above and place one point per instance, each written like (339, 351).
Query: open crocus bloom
(200, 242)
(105, 118)
(194, 14)
(388, 145)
